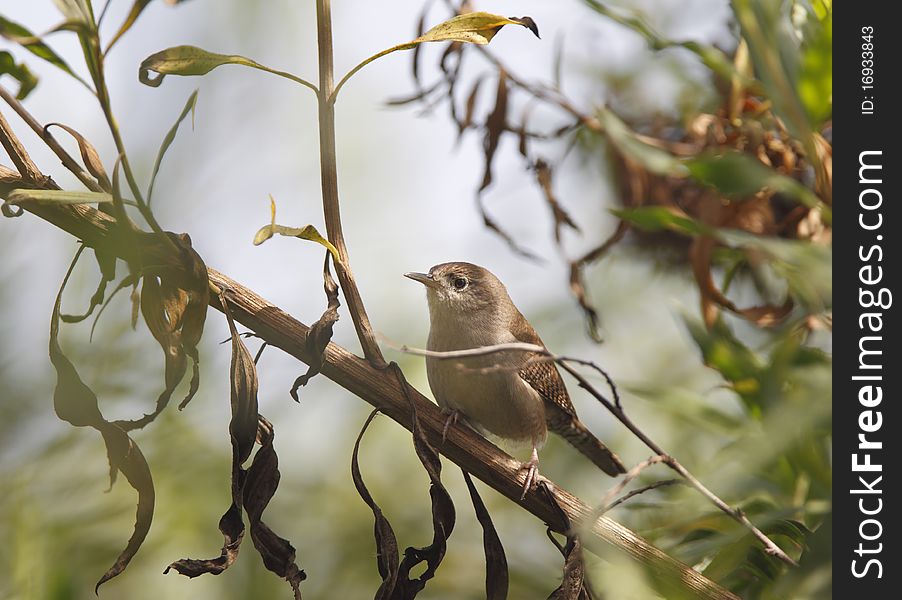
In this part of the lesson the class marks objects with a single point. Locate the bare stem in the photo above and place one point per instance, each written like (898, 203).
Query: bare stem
(329, 177)
(625, 481)
(643, 489)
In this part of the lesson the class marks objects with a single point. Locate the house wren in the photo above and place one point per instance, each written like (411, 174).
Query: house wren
(508, 394)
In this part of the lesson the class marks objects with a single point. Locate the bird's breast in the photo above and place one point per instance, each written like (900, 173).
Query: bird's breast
(487, 389)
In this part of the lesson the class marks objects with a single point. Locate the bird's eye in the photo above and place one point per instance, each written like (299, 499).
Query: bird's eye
(460, 283)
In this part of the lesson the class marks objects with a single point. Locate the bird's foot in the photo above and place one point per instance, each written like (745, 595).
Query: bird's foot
(532, 473)
(451, 418)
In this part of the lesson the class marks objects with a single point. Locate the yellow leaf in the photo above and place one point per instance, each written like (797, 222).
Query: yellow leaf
(474, 28)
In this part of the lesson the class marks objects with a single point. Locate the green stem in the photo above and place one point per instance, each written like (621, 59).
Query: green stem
(352, 72)
(290, 76)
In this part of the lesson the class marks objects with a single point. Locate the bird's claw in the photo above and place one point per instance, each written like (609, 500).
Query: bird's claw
(532, 473)
(452, 415)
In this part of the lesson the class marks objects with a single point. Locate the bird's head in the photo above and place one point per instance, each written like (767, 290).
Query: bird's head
(462, 289)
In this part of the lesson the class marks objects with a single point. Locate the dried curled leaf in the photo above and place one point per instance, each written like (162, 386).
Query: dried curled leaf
(495, 125)
(386, 543)
(76, 403)
(496, 573)
(89, 155)
(259, 486)
(174, 298)
(443, 515)
(243, 392)
(320, 332)
(107, 264)
(544, 176)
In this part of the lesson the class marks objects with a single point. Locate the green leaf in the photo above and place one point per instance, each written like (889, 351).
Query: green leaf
(191, 60)
(19, 72)
(136, 10)
(775, 54)
(740, 175)
(20, 35)
(659, 218)
(723, 352)
(806, 267)
(308, 232)
(74, 10)
(21, 196)
(170, 136)
(815, 82)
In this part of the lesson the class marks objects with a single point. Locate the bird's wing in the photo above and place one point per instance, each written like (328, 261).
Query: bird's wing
(560, 415)
(543, 376)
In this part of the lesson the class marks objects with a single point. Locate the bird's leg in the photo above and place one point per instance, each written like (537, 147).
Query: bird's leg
(532, 471)
(452, 415)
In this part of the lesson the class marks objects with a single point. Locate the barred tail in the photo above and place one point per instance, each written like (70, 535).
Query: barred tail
(591, 447)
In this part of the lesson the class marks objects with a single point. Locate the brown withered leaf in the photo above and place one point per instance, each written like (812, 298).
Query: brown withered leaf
(712, 299)
(259, 486)
(320, 332)
(495, 125)
(496, 573)
(107, 263)
(89, 156)
(126, 457)
(174, 297)
(527, 22)
(469, 107)
(77, 404)
(544, 175)
(415, 59)
(242, 403)
(443, 515)
(419, 95)
(577, 280)
(574, 584)
(387, 561)
(242, 391)
(232, 527)
(162, 308)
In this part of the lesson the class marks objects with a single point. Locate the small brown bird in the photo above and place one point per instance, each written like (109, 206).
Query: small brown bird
(506, 394)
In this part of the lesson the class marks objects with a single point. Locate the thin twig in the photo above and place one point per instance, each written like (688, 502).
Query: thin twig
(626, 480)
(643, 489)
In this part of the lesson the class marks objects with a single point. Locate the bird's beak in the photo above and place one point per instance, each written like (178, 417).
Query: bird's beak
(424, 278)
